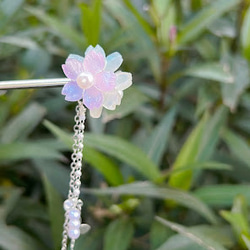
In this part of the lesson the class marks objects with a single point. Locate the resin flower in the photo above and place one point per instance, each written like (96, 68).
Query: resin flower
(94, 80)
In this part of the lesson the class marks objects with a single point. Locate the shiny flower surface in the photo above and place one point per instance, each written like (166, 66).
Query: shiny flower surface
(94, 80)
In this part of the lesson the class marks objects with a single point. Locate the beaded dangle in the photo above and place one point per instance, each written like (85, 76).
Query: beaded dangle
(94, 83)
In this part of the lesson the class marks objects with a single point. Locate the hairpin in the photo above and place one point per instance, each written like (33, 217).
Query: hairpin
(94, 82)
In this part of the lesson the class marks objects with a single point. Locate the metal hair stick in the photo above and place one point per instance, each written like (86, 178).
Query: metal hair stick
(34, 83)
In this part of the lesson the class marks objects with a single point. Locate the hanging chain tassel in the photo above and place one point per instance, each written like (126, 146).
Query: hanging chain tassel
(96, 84)
(72, 206)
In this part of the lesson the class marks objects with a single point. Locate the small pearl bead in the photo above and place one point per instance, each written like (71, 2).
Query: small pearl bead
(73, 233)
(74, 214)
(68, 204)
(77, 183)
(78, 173)
(76, 192)
(80, 145)
(81, 126)
(79, 155)
(74, 224)
(78, 164)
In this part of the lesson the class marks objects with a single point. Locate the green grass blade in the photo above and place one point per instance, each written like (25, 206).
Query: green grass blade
(245, 34)
(62, 29)
(149, 190)
(198, 24)
(156, 144)
(118, 234)
(116, 147)
(222, 195)
(194, 235)
(56, 212)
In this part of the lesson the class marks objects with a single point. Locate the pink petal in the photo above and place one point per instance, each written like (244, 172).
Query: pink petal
(92, 98)
(114, 61)
(99, 49)
(72, 92)
(72, 68)
(94, 62)
(105, 81)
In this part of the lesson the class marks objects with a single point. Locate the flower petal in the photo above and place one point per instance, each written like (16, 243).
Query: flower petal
(105, 81)
(100, 50)
(72, 68)
(89, 49)
(72, 92)
(94, 62)
(92, 98)
(77, 57)
(123, 80)
(111, 99)
(114, 61)
(96, 113)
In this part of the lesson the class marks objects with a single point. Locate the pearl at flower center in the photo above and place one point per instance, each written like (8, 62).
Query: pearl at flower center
(85, 80)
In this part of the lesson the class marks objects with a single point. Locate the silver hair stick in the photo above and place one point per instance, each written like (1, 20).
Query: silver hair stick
(34, 83)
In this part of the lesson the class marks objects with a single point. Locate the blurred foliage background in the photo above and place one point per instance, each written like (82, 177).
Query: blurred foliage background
(170, 168)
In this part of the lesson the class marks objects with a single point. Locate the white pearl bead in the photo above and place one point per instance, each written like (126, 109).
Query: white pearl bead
(78, 173)
(74, 214)
(79, 155)
(81, 126)
(76, 192)
(73, 233)
(80, 145)
(78, 183)
(74, 224)
(78, 164)
(68, 204)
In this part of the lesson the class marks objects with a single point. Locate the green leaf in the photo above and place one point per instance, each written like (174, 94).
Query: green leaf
(188, 155)
(211, 71)
(222, 195)
(245, 34)
(149, 190)
(156, 144)
(116, 147)
(118, 234)
(104, 165)
(158, 234)
(199, 147)
(27, 150)
(62, 29)
(8, 10)
(198, 24)
(12, 238)
(91, 20)
(180, 242)
(237, 145)
(56, 212)
(136, 32)
(246, 241)
(222, 234)
(241, 75)
(133, 98)
(194, 235)
(204, 165)
(20, 126)
(238, 218)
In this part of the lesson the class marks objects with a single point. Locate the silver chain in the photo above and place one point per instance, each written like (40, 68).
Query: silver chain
(73, 205)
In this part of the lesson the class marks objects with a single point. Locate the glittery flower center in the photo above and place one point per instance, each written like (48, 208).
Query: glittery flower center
(85, 80)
